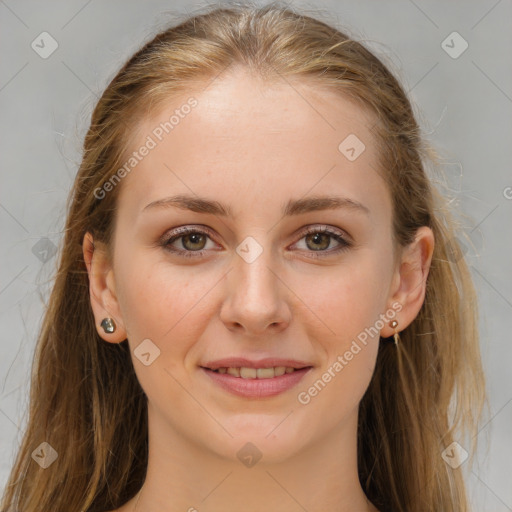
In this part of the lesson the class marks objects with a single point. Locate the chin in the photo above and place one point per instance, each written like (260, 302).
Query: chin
(260, 437)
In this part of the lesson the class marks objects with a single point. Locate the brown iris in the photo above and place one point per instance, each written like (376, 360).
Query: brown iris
(195, 239)
(316, 238)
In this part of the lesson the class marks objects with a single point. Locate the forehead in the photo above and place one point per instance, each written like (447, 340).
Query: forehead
(258, 139)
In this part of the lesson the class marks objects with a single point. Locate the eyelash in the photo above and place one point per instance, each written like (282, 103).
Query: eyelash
(168, 239)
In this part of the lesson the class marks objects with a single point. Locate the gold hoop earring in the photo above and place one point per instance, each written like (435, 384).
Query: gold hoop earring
(394, 324)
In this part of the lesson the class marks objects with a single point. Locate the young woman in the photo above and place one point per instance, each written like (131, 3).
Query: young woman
(258, 305)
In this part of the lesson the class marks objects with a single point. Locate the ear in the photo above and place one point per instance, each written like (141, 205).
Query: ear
(102, 290)
(410, 279)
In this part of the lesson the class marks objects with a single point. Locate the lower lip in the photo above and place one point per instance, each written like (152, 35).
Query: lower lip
(257, 388)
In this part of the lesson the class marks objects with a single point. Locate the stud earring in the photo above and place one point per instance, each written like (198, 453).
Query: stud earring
(108, 325)
(394, 324)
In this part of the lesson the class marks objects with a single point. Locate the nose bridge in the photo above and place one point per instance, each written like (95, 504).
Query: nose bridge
(253, 274)
(254, 298)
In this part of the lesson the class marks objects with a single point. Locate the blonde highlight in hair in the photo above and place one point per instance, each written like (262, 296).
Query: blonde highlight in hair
(84, 392)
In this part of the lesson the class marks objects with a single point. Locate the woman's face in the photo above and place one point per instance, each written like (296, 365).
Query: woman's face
(255, 282)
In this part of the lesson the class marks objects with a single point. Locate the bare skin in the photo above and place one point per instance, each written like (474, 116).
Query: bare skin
(253, 146)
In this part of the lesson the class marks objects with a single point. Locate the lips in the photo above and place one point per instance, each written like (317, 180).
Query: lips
(256, 379)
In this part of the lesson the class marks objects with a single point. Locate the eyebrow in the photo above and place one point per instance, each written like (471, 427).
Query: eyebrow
(292, 207)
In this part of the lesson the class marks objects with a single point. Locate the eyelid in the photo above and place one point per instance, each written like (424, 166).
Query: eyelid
(324, 228)
(192, 228)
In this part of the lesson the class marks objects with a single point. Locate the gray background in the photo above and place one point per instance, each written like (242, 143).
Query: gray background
(464, 103)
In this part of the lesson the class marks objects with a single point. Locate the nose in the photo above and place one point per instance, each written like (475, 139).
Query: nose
(256, 297)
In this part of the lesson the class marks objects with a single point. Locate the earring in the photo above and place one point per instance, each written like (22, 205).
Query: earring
(108, 325)
(394, 324)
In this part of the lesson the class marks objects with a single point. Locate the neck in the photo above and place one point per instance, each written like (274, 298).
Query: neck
(185, 476)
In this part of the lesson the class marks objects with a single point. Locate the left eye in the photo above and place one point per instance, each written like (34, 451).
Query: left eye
(319, 240)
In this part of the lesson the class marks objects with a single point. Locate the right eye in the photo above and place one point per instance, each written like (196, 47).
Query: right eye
(192, 241)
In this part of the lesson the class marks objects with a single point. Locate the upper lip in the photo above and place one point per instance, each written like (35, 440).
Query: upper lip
(241, 362)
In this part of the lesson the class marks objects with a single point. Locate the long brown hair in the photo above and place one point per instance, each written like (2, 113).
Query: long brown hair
(84, 391)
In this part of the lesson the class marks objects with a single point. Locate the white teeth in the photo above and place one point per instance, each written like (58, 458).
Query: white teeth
(256, 373)
(264, 373)
(279, 370)
(248, 373)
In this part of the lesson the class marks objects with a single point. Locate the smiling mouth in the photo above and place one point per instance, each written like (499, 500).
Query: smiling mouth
(256, 383)
(256, 373)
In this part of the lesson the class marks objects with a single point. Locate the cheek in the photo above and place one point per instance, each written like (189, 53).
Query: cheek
(162, 302)
(349, 306)
(345, 299)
